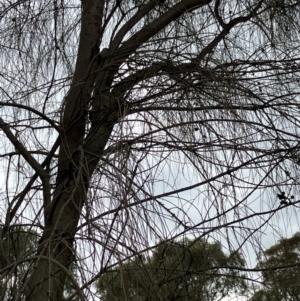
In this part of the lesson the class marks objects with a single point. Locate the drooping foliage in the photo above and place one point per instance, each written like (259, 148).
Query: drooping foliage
(126, 122)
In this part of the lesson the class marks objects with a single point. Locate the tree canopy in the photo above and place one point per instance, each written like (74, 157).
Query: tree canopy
(184, 270)
(127, 122)
(16, 245)
(281, 271)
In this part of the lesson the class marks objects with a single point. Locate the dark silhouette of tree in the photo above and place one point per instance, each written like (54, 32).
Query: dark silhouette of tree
(185, 270)
(128, 122)
(281, 271)
(18, 244)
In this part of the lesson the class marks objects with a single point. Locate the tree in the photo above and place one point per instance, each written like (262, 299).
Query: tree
(17, 244)
(129, 122)
(185, 270)
(281, 271)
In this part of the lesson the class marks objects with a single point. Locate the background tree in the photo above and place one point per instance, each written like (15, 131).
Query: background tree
(129, 122)
(185, 270)
(17, 245)
(281, 271)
